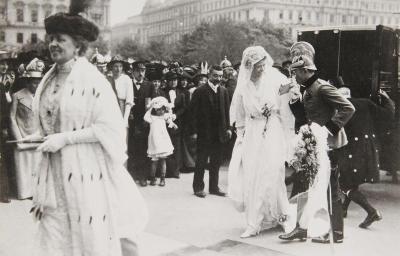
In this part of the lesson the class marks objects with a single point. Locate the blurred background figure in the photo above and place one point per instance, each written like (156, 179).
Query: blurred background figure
(4, 122)
(22, 125)
(177, 98)
(154, 73)
(359, 161)
(122, 86)
(5, 150)
(99, 61)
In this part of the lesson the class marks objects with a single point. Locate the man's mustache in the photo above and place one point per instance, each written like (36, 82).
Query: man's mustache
(54, 49)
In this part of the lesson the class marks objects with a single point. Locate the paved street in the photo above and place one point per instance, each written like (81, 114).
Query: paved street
(182, 224)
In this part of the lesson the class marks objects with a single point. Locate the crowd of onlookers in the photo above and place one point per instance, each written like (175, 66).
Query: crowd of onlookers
(138, 86)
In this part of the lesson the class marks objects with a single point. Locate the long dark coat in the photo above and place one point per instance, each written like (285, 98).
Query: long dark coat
(4, 125)
(175, 162)
(139, 163)
(201, 107)
(359, 162)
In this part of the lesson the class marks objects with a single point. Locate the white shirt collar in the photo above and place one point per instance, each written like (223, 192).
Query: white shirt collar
(135, 82)
(213, 86)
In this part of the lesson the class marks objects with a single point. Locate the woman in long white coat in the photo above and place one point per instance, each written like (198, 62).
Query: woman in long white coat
(264, 126)
(84, 198)
(22, 125)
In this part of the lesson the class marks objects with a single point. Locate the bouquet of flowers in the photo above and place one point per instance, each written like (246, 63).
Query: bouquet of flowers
(266, 111)
(305, 160)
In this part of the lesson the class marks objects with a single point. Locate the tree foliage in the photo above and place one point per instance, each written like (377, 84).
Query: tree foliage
(211, 42)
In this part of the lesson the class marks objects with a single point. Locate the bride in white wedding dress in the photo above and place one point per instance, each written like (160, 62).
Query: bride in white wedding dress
(264, 126)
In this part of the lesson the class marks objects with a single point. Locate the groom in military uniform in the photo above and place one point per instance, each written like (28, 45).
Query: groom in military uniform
(321, 103)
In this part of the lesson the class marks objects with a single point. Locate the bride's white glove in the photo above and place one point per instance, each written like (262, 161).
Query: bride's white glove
(53, 143)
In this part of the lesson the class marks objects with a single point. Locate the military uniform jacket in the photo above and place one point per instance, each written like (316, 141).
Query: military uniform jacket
(324, 105)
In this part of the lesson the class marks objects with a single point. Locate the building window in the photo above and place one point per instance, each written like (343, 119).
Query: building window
(266, 14)
(34, 38)
(20, 15)
(2, 36)
(290, 15)
(280, 15)
(331, 18)
(344, 19)
(34, 15)
(2, 13)
(20, 38)
(355, 20)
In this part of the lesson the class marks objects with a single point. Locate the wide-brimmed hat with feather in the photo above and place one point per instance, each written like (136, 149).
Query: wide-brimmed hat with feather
(72, 23)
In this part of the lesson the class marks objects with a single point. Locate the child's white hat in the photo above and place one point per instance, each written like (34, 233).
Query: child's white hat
(159, 102)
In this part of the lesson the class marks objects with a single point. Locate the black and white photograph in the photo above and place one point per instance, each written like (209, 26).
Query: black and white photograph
(199, 127)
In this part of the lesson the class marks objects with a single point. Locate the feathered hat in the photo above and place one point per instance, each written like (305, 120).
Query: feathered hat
(98, 59)
(118, 59)
(154, 71)
(34, 69)
(72, 23)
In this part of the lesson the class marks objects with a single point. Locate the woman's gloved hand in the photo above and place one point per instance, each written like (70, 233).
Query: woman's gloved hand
(53, 143)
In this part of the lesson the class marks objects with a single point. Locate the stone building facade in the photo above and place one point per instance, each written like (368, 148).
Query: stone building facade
(170, 19)
(22, 21)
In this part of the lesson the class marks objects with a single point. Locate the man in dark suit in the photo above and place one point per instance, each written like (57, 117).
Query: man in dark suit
(324, 105)
(138, 162)
(210, 113)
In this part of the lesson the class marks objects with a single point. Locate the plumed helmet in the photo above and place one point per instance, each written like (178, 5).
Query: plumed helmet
(302, 48)
(225, 63)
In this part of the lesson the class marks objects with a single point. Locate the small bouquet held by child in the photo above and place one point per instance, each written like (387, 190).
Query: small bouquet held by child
(159, 143)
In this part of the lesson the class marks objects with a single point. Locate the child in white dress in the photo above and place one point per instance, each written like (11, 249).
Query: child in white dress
(159, 142)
